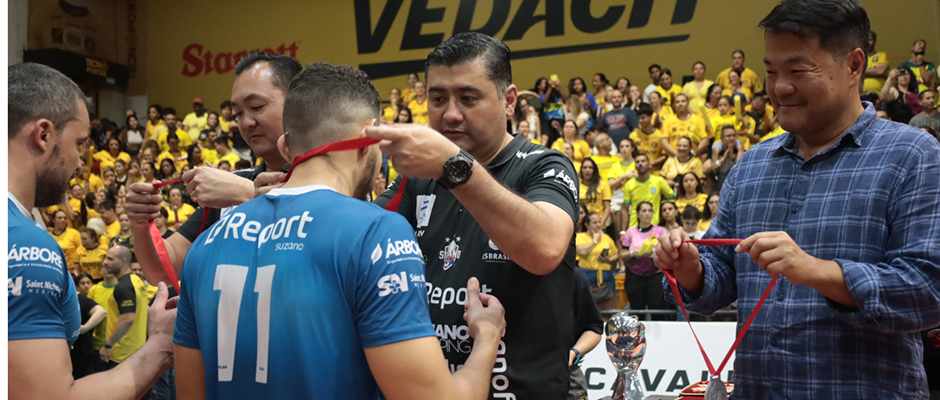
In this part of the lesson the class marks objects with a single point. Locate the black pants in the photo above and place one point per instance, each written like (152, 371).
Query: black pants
(645, 292)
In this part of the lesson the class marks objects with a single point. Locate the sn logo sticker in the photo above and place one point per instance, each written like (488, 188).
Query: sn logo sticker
(393, 283)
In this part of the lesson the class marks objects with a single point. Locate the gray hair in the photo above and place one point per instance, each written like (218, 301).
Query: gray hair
(37, 91)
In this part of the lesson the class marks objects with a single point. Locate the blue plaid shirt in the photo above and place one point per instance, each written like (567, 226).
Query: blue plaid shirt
(870, 202)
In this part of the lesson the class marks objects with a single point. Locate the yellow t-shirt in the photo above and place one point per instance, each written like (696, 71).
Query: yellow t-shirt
(604, 163)
(94, 183)
(697, 96)
(76, 205)
(874, 85)
(698, 202)
(113, 230)
(106, 160)
(704, 224)
(71, 243)
(693, 127)
(408, 95)
(582, 149)
(649, 144)
(184, 211)
(231, 157)
(653, 190)
(668, 94)
(91, 260)
(708, 116)
(618, 169)
(389, 114)
(223, 124)
(100, 294)
(196, 124)
(776, 132)
(179, 159)
(603, 194)
(673, 167)
(185, 140)
(419, 112)
(590, 261)
(134, 339)
(749, 80)
(152, 129)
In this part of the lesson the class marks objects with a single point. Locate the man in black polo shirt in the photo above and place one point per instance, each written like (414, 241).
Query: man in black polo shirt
(258, 100)
(486, 204)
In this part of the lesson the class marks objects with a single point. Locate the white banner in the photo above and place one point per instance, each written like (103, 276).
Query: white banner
(672, 362)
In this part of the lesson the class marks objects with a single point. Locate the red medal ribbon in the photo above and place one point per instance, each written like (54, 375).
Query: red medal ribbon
(671, 278)
(160, 247)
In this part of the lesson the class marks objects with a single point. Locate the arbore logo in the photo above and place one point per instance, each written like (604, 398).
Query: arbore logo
(372, 38)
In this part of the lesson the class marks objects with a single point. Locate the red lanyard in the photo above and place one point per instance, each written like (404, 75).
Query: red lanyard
(675, 292)
(352, 144)
(160, 247)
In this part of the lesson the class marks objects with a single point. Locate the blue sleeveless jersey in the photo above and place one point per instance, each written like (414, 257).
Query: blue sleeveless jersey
(282, 294)
(41, 298)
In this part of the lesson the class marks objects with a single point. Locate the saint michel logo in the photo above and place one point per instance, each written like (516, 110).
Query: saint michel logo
(614, 23)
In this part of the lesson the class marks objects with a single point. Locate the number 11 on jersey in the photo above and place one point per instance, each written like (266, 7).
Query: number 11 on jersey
(230, 281)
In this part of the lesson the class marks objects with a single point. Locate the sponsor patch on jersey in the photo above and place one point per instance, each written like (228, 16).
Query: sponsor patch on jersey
(563, 178)
(520, 154)
(393, 283)
(377, 253)
(423, 210)
(451, 252)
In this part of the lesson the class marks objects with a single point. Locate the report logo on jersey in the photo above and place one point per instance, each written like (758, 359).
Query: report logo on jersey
(393, 283)
(451, 252)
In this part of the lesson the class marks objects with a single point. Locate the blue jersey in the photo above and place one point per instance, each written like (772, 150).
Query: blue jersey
(282, 294)
(41, 298)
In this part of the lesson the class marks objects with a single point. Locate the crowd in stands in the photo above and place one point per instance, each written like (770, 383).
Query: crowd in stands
(650, 159)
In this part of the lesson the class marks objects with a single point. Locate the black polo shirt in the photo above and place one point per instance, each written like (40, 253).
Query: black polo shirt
(533, 357)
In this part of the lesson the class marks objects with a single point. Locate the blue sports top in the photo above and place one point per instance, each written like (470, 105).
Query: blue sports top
(285, 291)
(41, 298)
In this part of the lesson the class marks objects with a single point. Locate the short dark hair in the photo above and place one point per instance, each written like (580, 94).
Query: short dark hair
(285, 68)
(36, 91)
(842, 26)
(226, 103)
(157, 107)
(325, 103)
(690, 213)
(164, 212)
(921, 94)
(736, 51)
(106, 204)
(167, 111)
(640, 204)
(650, 69)
(467, 47)
(172, 135)
(644, 109)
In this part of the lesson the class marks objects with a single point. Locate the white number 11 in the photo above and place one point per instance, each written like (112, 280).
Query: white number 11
(230, 280)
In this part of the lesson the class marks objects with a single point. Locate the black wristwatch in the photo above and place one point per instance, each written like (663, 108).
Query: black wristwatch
(457, 170)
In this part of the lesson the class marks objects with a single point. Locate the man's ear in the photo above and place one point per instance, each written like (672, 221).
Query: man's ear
(282, 147)
(856, 61)
(511, 94)
(41, 136)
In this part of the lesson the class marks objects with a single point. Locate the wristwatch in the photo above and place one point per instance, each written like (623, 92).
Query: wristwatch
(457, 170)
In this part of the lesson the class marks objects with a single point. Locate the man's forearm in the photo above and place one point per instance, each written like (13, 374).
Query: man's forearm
(130, 379)
(500, 213)
(123, 326)
(146, 253)
(474, 377)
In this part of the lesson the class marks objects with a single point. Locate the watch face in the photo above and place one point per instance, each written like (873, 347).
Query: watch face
(458, 171)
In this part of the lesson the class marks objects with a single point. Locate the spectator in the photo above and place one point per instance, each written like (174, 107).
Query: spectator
(197, 121)
(684, 124)
(404, 116)
(596, 253)
(194, 157)
(648, 138)
(711, 108)
(736, 86)
(689, 192)
(705, 220)
(226, 166)
(588, 326)
(155, 124)
(553, 102)
(168, 170)
(878, 66)
(645, 187)
(682, 163)
(574, 111)
(226, 117)
(212, 127)
(725, 154)
(620, 120)
(173, 153)
(577, 87)
(133, 172)
(148, 172)
(690, 217)
(120, 173)
(762, 114)
(126, 236)
(594, 192)
(601, 86)
(172, 126)
(160, 222)
(224, 152)
(667, 89)
(106, 208)
(89, 181)
(581, 148)
(395, 103)
(698, 88)
(178, 212)
(410, 92)
(655, 72)
(924, 71)
(669, 216)
(83, 352)
(928, 117)
(623, 85)
(133, 136)
(620, 172)
(660, 112)
(93, 253)
(419, 106)
(643, 281)
(749, 79)
(126, 309)
(899, 95)
(68, 239)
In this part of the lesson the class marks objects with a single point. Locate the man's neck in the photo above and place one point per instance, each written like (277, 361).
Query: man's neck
(121, 274)
(643, 177)
(109, 280)
(928, 112)
(486, 159)
(320, 171)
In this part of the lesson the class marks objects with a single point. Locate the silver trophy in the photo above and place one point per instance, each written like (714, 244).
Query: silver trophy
(626, 345)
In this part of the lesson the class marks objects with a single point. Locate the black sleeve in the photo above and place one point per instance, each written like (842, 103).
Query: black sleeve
(407, 201)
(551, 178)
(85, 305)
(586, 315)
(125, 296)
(190, 228)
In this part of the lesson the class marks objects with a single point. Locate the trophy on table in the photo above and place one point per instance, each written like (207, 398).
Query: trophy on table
(626, 345)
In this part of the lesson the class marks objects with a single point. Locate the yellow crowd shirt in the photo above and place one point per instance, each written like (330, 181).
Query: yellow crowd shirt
(94, 183)
(590, 261)
(582, 149)
(179, 159)
(698, 202)
(185, 140)
(874, 85)
(106, 160)
(419, 112)
(101, 294)
(649, 144)
(196, 124)
(151, 128)
(603, 194)
(71, 243)
(673, 167)
(604, 163)
(181, 214)
(749, 80)
(653, 190)
(693, 127)
(134, 339)
(91, 260)
(668, 94)
(697, 96)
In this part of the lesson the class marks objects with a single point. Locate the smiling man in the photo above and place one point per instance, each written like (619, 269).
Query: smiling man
(487, 204)
(843, 207)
